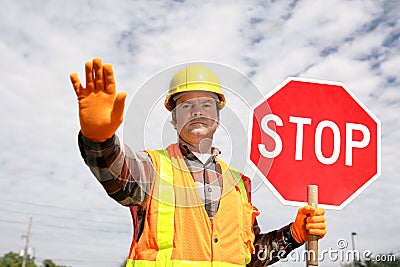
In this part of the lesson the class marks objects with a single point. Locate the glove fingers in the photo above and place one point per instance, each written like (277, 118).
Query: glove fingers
(109, 79)
(307, 210)
(76, 83)
(318, 232)
(98, 78)
(318, 212)
(89, 76)
(118, 109)
(321, 225)
(312, 211)
(316, 219)
(309, 220)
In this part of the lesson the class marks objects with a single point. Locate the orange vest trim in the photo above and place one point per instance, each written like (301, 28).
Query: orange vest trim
(177, 230)
(178, 263)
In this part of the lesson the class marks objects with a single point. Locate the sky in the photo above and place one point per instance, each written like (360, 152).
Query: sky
(42, 174)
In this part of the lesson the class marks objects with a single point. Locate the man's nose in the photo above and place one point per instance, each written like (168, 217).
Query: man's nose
(197, 110)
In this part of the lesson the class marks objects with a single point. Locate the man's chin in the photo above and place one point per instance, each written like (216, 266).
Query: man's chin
(199, 132)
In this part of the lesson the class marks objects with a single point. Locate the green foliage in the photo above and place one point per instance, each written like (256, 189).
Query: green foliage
(12, 259)
(50, 263)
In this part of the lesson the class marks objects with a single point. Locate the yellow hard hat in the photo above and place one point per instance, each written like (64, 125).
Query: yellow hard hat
(194, 78)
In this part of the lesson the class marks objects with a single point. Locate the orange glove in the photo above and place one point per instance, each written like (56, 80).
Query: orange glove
(100, 109)
(309, 220)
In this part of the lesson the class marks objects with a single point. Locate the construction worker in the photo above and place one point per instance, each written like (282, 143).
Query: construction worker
(188, 206)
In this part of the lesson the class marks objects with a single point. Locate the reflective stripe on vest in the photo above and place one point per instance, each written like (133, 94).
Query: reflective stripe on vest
(166, 209)
(238, 178)
(166, 218)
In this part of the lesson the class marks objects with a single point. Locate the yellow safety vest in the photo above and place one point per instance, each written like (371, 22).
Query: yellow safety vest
(177, 230)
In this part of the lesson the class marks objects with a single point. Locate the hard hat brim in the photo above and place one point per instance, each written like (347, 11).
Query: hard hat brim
(194, 87)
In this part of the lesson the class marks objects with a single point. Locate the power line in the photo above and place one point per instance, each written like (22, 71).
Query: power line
(59, 207)
(12, 221)
(58, 216)
(65, 227)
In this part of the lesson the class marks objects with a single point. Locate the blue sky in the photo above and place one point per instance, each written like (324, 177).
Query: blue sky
(42, 174)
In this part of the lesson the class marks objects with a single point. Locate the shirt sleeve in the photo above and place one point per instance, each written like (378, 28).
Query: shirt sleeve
(126, 176)
(273, 246)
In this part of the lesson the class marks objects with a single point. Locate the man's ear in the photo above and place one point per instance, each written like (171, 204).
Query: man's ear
(173, 119)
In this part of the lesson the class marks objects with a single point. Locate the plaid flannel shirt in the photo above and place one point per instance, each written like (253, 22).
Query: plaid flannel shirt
(127, 176)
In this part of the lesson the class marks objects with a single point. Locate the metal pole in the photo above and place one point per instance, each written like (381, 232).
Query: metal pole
(353, 246)
(27, 242)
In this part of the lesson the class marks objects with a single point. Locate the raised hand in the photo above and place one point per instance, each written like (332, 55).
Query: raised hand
(100, 108)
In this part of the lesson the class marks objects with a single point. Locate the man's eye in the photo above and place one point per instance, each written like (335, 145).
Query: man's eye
(186, 105)
(208, 105)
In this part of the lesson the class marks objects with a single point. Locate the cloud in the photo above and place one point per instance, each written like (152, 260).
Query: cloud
(41, 172)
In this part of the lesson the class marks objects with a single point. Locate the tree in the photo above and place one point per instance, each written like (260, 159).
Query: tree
(50, 263)
(12, 259)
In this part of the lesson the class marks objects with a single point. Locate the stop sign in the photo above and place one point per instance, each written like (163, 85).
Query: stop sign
(314, 132)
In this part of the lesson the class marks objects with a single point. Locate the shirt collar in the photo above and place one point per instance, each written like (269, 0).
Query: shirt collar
(188, 154)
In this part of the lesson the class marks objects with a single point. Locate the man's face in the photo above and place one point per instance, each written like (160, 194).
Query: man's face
(196, 116)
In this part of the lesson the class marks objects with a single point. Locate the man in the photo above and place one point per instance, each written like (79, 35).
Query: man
(188, 206)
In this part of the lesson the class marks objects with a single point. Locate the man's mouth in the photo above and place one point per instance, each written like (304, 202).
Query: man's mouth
(198, 121)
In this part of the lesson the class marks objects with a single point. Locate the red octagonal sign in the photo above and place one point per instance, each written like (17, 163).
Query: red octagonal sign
(314, 132)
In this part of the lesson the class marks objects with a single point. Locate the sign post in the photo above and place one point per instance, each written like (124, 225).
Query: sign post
(312, 198)
(311, 132)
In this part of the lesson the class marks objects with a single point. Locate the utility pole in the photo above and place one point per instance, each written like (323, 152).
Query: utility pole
(353, 246)
(27, 236)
